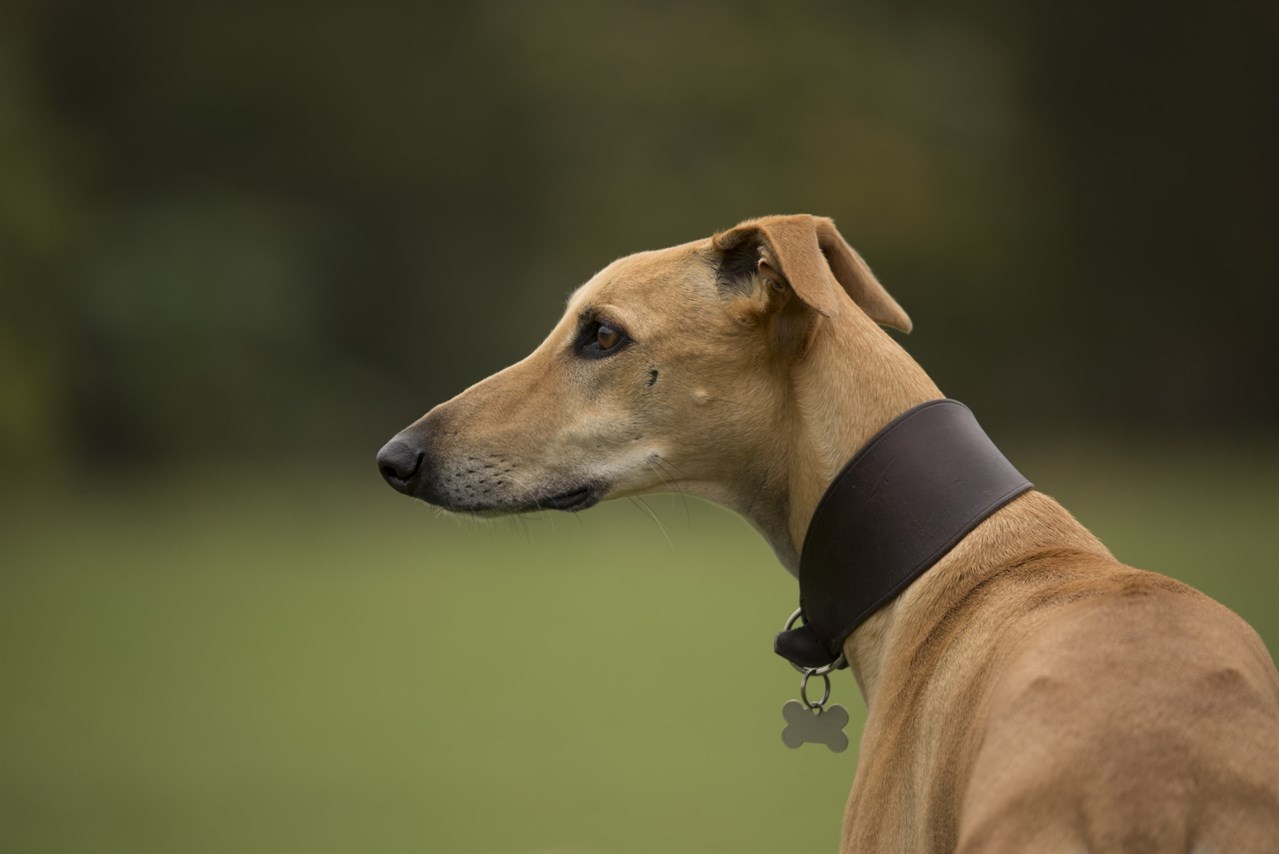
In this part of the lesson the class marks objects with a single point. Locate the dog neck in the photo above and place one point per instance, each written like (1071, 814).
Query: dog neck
(834, 412)
(853, 381)
(911, 493)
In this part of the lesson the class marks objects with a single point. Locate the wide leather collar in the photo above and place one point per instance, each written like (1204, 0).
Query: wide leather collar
(917, 488)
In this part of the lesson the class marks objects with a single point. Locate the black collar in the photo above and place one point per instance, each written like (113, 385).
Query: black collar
(909, 495)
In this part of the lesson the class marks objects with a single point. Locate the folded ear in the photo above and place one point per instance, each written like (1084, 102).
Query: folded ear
(808, 254)
(853, 273)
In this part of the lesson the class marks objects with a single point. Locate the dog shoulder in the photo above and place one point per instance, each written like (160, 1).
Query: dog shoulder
(1144, 710)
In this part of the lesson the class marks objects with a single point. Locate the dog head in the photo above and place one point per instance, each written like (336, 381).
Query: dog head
(668, 370)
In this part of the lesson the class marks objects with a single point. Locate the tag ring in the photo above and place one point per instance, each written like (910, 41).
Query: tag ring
(814, 671)
(803, 690)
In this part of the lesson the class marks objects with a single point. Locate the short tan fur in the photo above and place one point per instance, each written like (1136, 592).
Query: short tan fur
(1028, 693)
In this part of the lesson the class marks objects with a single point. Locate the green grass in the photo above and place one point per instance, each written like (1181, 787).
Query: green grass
(313, 663)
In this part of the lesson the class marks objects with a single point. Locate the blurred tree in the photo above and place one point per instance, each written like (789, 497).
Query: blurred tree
(222, 226)
(39, 208)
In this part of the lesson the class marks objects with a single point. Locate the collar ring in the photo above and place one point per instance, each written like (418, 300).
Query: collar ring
(825, 669)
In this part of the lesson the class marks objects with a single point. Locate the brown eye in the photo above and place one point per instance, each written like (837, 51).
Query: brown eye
(606, 337)
(598, 340)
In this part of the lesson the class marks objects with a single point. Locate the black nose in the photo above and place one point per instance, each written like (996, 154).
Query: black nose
(399, 463)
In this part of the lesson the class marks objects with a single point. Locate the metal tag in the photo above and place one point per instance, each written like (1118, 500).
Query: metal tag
(820, 725)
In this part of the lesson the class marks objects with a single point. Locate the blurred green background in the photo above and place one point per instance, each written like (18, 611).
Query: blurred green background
(242, 245)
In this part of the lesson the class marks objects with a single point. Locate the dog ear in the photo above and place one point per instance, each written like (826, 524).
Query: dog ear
(854, 274)
(808, 254)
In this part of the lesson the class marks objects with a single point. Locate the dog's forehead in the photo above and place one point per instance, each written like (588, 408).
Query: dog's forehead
(678, 272)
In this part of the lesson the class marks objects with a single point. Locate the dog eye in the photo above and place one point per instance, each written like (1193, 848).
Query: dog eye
(600, 339)
(606, 338)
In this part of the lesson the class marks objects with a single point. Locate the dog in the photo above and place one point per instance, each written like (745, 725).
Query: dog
(1026, 693)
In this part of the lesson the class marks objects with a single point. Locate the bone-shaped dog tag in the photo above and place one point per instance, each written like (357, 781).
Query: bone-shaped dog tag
(817, 726)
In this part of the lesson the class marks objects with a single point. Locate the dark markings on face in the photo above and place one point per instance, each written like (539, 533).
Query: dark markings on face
(652, 376)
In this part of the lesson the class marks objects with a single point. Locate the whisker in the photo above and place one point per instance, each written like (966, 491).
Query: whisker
(670, 480)
(648, 511)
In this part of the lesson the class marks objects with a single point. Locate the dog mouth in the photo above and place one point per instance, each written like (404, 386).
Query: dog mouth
(572, 501)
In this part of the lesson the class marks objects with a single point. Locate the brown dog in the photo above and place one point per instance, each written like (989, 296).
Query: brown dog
(1027, 693)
